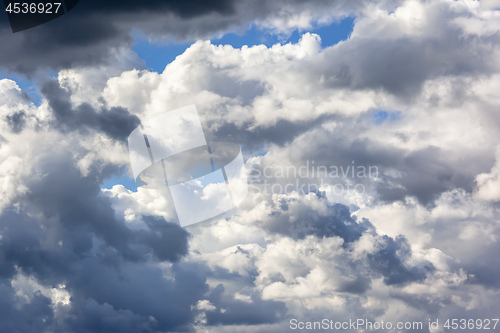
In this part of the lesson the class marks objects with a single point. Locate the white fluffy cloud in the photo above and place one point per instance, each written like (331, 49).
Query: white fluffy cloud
(489, 183)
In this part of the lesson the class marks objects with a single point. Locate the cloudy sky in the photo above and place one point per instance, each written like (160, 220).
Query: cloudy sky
(316, 94)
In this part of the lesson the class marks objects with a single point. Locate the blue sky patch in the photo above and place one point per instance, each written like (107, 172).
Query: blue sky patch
(29, 86)
(123, 179)
(381, 116)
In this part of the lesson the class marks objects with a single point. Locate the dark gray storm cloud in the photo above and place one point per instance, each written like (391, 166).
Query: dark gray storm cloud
(116, 122)
(35, 316)
(64, 232)
(389, 261)
(289, 218)
(298, 223)
(89, 33)
(16, 121)
(77, 241)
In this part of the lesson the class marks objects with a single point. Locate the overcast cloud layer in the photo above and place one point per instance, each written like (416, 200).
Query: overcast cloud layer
(412, 93)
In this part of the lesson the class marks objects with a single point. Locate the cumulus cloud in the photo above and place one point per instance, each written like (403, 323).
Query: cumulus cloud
(412, 92)
(488, 184)
(115, 122)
